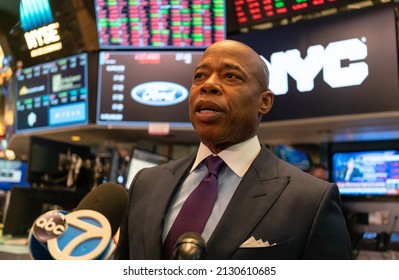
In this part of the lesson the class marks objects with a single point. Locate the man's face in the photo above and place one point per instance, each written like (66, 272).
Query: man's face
(227, 97)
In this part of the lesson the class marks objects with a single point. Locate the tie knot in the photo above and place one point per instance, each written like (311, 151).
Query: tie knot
(214, 164)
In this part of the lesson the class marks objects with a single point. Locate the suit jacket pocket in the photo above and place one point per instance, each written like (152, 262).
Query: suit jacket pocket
(280, 251)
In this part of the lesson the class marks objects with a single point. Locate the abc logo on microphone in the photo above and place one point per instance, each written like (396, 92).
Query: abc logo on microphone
(49, 225)
(79, 235)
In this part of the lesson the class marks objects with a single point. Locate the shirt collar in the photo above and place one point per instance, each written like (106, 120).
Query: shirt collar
(238, 157)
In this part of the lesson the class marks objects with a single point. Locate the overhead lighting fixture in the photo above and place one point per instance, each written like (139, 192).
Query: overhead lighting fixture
(76, 138)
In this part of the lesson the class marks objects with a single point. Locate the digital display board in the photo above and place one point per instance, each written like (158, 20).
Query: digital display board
(51, 29)
(252, 12)
(13, 173)
(332, 65)
(161, 23)
(52, 95)
(138, 87)
(366, 172)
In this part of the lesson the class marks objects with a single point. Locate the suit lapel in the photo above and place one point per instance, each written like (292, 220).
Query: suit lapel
(167, 183)
(253, 198)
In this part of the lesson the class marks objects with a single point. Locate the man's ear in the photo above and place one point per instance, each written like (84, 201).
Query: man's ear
(267, 99)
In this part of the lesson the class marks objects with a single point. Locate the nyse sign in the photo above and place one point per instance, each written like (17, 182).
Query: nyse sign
(43, 40)
(330, 60)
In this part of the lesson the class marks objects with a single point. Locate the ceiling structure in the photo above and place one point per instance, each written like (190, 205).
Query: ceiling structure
(349, 128)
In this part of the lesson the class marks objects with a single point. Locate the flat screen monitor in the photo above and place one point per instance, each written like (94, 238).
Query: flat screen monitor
(293, 156)
(253, 12)
(138, 87)
(52, 95)
(160, 24)
(142, 159)
(325, 66)
(366, 173)
(13, 173)
(58, 164)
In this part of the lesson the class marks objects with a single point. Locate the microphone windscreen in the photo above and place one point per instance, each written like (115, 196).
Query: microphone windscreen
(190, 246)
(109, 199)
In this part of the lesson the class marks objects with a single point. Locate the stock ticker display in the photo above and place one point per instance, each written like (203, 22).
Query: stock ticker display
(139, 87)
(52, 94)
(252, 12)
(162, 23)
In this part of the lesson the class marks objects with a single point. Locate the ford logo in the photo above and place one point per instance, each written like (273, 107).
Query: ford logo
(159, 93)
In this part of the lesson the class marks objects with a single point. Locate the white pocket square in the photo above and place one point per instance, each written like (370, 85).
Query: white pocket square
(253, 243)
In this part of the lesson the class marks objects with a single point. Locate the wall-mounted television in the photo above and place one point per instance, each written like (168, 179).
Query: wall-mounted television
(13, 173)
(140, 159)
(139, 87)
(367, 172)
(160, 24)
(52, 95)
(366, 169)
(253, 12)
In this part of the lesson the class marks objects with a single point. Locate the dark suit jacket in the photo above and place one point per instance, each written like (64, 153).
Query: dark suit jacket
(275, 202)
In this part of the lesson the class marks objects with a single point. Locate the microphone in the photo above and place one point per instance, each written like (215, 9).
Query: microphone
(84, 234)
(109, 199)
(190, 246)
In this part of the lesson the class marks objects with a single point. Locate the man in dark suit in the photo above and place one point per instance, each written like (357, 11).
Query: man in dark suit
(265, 208)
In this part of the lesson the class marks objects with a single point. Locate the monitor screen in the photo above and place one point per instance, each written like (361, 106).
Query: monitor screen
(160, 24)
(137, 88)
(252, 12)
(58, 164)
(13, 173)
(142, 159)
(324, 66)
(366, 173)
(52, 95)
(293, 156)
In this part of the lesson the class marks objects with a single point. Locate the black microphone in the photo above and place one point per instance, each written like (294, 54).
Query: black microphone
(84, 234)
(190, 246)
(109, 199)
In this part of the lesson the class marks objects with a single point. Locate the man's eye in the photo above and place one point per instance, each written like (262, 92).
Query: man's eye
(198, 75)
(231, 76)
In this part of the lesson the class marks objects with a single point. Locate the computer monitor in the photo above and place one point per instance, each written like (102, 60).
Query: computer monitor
(51, 162)
(365, 169)
(137, 88)
(367, 173)
(13, 173)
(52, 95)
(293, 156)
(142, 159)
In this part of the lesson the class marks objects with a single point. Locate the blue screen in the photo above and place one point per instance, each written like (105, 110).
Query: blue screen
(293, 156)
(366, 172)
(13, 173)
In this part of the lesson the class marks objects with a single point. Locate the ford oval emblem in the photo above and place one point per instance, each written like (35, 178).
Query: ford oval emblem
(159, 93)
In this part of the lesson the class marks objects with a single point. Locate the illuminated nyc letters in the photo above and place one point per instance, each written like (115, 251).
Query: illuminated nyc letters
(340, 61)
(43, 40)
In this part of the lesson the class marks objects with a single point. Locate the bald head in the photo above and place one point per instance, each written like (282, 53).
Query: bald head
(243, 51)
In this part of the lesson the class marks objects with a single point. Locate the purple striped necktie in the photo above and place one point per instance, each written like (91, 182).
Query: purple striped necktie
(197, 208)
